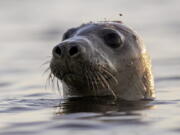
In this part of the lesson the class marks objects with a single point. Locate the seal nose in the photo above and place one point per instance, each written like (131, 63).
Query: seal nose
(71, 50)
(57, 51)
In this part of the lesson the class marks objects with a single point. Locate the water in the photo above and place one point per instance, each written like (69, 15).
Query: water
(29, 31)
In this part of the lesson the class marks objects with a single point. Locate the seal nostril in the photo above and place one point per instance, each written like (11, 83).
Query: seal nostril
(57, 50)
(74, 50)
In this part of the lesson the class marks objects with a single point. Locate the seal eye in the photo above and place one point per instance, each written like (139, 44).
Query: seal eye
(69, 33)
(112, 38)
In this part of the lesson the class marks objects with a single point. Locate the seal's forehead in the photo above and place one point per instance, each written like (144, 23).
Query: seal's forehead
(95, 27)
(89, 28)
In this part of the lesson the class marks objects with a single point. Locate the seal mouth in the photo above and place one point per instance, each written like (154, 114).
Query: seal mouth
(68, 74)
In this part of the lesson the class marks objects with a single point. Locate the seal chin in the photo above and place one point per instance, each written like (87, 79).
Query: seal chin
(71, 78)
(65, 75)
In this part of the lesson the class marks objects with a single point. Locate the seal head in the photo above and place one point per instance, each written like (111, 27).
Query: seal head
(103, 59)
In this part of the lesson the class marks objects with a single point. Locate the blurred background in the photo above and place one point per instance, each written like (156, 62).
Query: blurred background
(29, 29)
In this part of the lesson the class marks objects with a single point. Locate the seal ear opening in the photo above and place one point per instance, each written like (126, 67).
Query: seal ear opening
(69, 33)
(112, 38)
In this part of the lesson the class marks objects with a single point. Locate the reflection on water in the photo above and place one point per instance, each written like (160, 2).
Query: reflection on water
(29, 31)
(104, 110)
(100, 104)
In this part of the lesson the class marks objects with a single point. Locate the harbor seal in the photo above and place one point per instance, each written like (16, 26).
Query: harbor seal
(103, 59)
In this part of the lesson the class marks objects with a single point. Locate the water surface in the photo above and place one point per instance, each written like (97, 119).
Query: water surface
(29, 31)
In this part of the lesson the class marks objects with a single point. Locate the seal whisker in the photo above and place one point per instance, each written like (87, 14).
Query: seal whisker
(87, 78)
(58, 87)
(107, 85)
(104, 80)
(57, 83)
(100, 80)
(89, 74)
(45, 63)
(110, 74)
(53, 76)
(93, 79)
(95, 83)
(88, 81)
(47, 83)
(92, 83)
(50, 80)
(46, 70)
